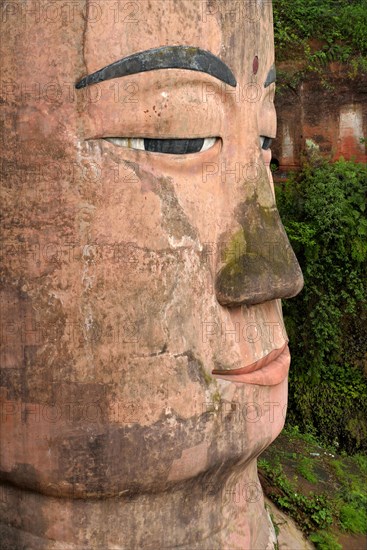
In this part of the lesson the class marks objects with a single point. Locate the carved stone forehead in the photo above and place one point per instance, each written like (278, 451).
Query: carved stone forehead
(150, 24)
(234, 31)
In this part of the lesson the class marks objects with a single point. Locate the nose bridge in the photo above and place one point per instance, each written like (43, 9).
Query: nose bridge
(265, 267)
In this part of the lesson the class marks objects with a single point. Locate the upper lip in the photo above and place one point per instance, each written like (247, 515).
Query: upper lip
(257, 365)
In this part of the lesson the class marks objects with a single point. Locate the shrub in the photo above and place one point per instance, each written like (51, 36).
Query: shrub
(324, 212)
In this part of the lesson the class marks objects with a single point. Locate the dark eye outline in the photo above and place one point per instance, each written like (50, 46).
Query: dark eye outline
(178, 146)
(265, 142)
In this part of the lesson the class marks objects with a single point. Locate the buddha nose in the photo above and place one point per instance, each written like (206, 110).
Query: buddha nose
(266, 268)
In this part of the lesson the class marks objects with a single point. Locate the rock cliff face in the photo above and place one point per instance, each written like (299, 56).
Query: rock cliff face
(335, 118)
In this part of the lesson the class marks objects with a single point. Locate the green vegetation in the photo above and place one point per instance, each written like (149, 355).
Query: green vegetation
(353, 519)
(305, 469)
(352, 498)
(325, 541)
(311, 511)
(329, 503)
(323, 208)
(312, 33)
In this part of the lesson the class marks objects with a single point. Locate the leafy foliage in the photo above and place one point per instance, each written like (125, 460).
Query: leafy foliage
(315, 33)
(324, 211)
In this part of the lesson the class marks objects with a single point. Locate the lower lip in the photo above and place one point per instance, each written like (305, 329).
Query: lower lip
(271, 374)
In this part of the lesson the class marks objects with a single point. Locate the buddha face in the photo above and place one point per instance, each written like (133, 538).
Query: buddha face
(144, 342)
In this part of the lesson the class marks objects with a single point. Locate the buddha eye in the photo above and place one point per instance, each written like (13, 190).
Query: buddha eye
(265, 142)
(168, 146)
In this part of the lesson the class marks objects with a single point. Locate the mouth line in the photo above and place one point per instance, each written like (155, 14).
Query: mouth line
(267, 371)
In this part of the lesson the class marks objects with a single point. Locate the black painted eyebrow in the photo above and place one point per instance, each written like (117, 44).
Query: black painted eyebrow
(272, 76)
(167, 57)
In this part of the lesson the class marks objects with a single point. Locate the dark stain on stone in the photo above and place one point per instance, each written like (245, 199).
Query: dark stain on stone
(174, 219)
(25, 476)
(107, 463)
(196, 369)
(15, 535)
(162, 352)
(98, 464)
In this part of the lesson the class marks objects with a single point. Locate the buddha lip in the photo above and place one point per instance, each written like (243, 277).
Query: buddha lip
(267, 371)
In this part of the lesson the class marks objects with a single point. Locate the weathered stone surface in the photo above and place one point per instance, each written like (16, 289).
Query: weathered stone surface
(335, 119)
(115, 433)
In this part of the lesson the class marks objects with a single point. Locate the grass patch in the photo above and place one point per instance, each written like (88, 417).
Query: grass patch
(353, 519)
(325, 541)
(305, 469)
